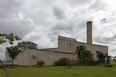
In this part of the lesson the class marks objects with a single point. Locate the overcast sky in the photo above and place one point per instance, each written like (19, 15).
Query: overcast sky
(41, 21)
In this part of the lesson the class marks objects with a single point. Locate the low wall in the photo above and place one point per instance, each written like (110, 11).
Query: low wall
(30, 57)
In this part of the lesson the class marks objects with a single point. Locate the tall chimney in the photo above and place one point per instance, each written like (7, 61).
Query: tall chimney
(89, 32)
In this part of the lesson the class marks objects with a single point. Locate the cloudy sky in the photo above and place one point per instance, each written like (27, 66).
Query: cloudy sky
(41, 21)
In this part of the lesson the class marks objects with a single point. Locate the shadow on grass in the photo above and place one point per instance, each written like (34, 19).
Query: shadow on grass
(111, 66)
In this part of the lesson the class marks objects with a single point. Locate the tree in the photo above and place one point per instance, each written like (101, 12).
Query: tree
(10, 37)
(4, 68)
(101, 57)
(26, 44)
(13, 52)
(79, 49)
(86, 57)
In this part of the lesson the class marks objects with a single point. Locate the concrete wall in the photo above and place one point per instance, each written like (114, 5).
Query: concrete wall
(49, 49)
(93, 48)
(66, 44)
(26, 57)
(69, 45)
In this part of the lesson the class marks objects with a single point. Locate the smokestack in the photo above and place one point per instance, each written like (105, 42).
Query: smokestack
(89, 32)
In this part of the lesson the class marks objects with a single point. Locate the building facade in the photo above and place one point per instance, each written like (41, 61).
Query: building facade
(66, 48)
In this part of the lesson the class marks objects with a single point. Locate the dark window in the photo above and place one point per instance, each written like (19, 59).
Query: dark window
(70, 44)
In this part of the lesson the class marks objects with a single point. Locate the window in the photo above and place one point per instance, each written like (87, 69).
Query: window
(70, 44)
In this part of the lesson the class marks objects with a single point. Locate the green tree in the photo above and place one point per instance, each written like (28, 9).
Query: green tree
(10, 37)
(79, 49)
(13, 52)
(101, 57)
(86, 57)
(26, 44)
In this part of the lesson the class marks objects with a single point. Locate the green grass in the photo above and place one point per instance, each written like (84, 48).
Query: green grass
(60, 71)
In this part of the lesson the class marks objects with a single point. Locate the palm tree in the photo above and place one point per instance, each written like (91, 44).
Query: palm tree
(79, 49)
(101, 57)
(86, 57)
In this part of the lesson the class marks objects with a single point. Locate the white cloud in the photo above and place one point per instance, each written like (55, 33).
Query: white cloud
(41, 21)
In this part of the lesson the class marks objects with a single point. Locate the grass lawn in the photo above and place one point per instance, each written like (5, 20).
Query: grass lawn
(60, 71)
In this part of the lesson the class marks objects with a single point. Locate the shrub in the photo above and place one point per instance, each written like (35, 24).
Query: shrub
(64, 62)
(85, 57)
(40, 63)
(101, 57)
(70, 62)
(61, 62)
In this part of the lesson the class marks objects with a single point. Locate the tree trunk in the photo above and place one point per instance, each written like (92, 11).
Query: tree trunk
(4, 68)
(12, 63)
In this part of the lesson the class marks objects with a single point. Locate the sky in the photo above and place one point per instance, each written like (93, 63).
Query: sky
(41, 21)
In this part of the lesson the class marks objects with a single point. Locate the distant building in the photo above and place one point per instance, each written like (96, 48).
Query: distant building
(66, 48)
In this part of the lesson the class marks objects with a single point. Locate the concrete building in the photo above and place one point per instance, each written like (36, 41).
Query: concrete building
(66, 48)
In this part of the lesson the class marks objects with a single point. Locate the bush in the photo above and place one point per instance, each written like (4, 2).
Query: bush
(101, 57)
(40, 63)
(64, 62)
(70, 62)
